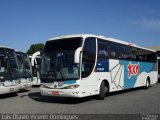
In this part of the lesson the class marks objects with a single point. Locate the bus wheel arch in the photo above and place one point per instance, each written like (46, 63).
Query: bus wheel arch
(103, 89)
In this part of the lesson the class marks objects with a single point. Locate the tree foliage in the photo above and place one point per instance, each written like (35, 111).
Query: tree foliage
(34, 48)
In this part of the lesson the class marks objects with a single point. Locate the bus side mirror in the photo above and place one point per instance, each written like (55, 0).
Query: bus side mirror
(77, 55)
(34, 57)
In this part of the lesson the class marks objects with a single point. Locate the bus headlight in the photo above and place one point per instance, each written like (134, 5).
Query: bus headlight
(71, 87)
(44, 86)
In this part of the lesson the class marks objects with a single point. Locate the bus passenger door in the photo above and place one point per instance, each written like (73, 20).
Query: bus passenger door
(89, 77)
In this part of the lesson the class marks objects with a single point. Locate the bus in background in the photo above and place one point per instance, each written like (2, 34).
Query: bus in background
(158, 69)
(25, 70)
(86, 65)
(36, 60)
(9, 71)
(158, 57)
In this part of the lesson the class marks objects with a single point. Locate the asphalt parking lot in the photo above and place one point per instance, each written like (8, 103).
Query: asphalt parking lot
(137, 101)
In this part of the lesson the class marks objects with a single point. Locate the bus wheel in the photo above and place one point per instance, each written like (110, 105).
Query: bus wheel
(103, 91)
(147, 83)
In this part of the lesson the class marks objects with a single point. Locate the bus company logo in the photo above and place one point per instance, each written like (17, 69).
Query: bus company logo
(133, 69)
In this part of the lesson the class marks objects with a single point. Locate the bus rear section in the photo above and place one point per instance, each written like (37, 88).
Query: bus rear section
(87, 65)
(9, 71)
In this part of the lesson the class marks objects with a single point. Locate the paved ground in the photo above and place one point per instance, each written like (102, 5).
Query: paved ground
(127, 102)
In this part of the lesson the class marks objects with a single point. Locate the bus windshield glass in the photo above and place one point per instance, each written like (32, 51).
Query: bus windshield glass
(3, 64)
(24, 65)
(58, 60)
(8, 65)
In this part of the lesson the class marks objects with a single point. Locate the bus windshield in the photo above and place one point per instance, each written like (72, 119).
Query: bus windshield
(3, 64)
(58, 60)
(24, 65)
(8, 65)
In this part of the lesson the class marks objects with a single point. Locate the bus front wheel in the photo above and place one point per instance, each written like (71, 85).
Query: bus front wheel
(102, 92)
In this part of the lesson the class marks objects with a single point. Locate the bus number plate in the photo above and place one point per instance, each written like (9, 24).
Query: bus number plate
(55, 93)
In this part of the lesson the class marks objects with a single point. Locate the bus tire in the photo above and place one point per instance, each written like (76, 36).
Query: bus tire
(147, 83)
(102, 92)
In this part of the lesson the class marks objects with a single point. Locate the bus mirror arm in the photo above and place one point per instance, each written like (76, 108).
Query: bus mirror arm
(77, 55)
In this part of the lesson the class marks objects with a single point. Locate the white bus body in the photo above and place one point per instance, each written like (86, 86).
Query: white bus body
(25, 70)
(86, 65)
(9, 71)
(36, 65)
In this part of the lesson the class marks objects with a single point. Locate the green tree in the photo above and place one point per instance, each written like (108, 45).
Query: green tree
(34, 48)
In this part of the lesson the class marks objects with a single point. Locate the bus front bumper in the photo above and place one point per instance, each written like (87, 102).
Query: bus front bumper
(60, 92)
(10, 89)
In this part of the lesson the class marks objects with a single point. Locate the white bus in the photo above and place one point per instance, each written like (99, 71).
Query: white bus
(159, 69)
(9, 71)
(86, 65)
(36, 60)
(25, 70)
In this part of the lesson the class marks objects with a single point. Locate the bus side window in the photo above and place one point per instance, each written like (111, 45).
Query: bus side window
(115, 51)
(133, 52)
(125, 52)
(103, 49)
(89, 56)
